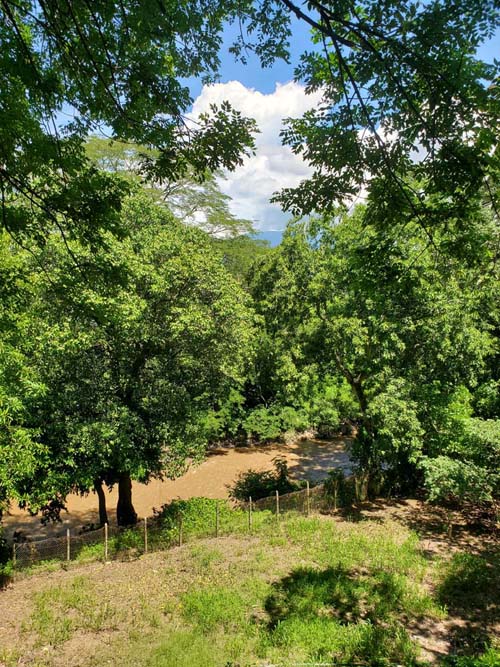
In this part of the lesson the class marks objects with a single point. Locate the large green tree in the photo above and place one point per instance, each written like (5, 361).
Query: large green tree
(404, 91)
(71, 67)
(400, 80)
(405, 324)
(409, 111)
(197, 202)
(131, 367)
(20, 386)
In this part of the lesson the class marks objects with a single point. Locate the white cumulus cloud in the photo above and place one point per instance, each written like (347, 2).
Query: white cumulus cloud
(274, 166)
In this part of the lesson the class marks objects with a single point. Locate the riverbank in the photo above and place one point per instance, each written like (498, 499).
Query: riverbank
(307, 459)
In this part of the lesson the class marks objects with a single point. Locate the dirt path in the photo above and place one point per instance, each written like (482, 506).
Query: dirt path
(307, 459)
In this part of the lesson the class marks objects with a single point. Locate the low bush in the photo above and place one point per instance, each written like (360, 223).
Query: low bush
(196, 514)
(254, 484)
(128, 539)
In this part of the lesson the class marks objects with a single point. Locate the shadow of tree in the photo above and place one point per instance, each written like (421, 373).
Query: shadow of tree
(335, 592)
(337, 613)
(470, 589)
(356, 513)
(469, 577)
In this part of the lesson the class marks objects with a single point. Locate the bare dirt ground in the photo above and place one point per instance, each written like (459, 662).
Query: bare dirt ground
(307, 459)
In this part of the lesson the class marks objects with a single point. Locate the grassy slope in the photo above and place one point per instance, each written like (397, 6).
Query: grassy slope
(312, 589)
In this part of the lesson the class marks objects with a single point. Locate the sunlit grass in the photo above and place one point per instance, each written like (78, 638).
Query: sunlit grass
(295, 590)
(59, 611)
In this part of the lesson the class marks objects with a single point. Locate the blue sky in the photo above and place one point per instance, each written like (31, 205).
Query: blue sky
(269, 95)
(252, 75)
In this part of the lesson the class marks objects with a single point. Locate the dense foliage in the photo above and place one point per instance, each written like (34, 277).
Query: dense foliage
(130, 339)
(410, 329)
(129, 365)
(255, 485)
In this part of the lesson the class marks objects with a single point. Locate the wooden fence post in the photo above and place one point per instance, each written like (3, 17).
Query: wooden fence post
(145, 534)
(277, 505)
(308, 499)
(217, 519)
(14, 554)
(106, 542)
(180, 530)
(68, 544)
(250, 514)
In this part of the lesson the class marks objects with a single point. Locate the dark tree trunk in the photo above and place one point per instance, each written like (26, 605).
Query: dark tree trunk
(103, 514)
(125, 512)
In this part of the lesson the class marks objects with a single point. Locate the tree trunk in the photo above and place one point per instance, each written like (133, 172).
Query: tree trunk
(125, 512)
(103, 514)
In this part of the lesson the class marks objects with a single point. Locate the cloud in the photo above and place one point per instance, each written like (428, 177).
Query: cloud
(274, 166)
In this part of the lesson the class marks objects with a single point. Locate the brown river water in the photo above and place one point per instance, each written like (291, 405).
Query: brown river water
(307, 459)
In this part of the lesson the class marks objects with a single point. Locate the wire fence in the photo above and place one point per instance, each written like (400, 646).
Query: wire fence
(154, 533)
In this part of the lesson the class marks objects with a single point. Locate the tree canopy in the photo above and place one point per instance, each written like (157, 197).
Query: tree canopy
(403, 90)
(130, 369)
(69, 68)
(125, 342)
(408, 328)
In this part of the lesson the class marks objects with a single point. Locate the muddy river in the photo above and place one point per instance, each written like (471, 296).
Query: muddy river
(307, 459)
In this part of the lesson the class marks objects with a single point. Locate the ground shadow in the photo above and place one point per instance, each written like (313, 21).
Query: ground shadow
(340, 614)
(312, 459)
(468, 578)
(470, 590)
(30, 528)
(315, 458)
(336, 592)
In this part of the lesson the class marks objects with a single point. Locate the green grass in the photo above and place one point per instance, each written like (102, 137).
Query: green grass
(61, 610)
(301, 590)
(468, 579)
(351, 604)
(490, 658)
(215, 608)
(10, 657)
(205, 559)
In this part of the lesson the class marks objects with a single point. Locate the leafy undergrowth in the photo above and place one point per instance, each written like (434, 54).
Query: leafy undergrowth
(306, 590)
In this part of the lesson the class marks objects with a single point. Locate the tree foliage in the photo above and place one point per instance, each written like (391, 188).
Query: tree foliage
(403, 91)
(404, 324)
(112, 64)
(130, 368)
(125, 341)
(401, 83)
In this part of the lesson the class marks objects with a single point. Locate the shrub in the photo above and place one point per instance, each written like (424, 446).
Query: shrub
(129, 539)
(197, 515)
(258, 485)
(447, 479)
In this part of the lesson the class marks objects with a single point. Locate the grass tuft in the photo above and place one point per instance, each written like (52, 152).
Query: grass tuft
(61, 610)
